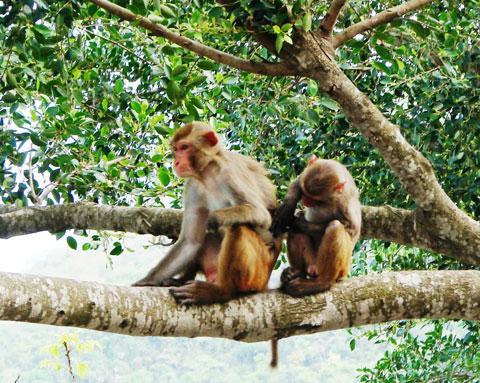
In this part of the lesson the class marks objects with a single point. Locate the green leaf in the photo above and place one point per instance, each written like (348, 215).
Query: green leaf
(179, 70)
(155, 18)
(312, 88)
(157, 158)
(136, 106)
(418, 28)
(313, 116)
(276, 29)
(352, 344)
(163, 176)
(166, 11)
(118, 85)
(9, 97)
(72, 242)
(279, 43)
(383, 52)
(329, 103)
(117, 250)
(207, 65)
(380, 66)
(307, 22)
(11, 79)
(173, 91)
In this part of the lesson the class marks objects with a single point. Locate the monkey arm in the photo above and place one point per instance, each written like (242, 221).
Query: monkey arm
(184, 252)
(352, 220)
(257, 216)
(314, 230)
(285, 214)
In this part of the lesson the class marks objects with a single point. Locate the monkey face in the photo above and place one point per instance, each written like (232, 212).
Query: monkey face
(183, 154)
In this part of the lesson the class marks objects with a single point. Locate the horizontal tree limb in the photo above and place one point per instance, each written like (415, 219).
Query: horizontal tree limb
(146, 311)
(379, 19)
(401, 226)
(271, 69)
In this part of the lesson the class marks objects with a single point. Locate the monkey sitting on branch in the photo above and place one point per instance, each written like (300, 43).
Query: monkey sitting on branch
(228, 201)
(322, 237)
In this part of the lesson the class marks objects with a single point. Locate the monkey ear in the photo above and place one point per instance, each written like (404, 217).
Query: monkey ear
(340, 186)
(312, 159)
(211, 137)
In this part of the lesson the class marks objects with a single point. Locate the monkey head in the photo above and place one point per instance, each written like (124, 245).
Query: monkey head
(321, 181)
(194, 147)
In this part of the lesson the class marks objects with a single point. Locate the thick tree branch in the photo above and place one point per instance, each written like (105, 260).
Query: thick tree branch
(57, 218)
(277, 69)
(387, 223)
(331, 16)
(151, 311)
(379, 19)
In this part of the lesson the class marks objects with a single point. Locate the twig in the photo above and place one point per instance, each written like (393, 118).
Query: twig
(69, 361)
(117, 44)
(30, 174)
(379, 19)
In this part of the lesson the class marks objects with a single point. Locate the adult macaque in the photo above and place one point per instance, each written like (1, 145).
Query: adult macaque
(225, 230)
(320, 239)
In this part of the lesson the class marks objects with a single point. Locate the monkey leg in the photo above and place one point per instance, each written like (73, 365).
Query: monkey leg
(333, 262)
(244, 265)
(300, 254)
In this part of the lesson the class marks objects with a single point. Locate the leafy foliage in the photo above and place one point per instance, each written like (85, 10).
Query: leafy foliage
(435, 352)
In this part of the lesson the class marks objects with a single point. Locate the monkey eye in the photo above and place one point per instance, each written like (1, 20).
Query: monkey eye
(183, 147)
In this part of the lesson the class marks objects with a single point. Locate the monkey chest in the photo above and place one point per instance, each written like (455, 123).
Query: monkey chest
(219, 197)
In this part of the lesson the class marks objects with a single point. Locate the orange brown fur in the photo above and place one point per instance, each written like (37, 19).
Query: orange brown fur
(321, 240)
(225, 233)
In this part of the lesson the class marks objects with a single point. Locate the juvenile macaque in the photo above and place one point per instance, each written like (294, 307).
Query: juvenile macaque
(225, 230)
(322, 237)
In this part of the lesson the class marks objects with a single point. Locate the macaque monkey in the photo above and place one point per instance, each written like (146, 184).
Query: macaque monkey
(320, 239)
(225, 233)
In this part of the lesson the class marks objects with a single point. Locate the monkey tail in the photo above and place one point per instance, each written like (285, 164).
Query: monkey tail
(274, 361)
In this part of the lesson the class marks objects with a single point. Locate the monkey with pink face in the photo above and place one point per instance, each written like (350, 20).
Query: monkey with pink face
(228, 201)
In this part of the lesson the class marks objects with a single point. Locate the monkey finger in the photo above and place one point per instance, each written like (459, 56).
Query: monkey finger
(144, 282)
(179, 293)
(294, 288)
(289, 274)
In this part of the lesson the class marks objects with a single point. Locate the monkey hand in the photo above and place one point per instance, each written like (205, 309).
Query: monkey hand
(283, 219)
(289, 274)
(213, 223)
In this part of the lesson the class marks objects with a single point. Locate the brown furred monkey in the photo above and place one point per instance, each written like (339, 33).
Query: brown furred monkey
(320, 240)
(225, 230)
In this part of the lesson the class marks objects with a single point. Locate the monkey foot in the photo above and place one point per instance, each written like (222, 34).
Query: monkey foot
(289, 274)
(299, 287)
(197, 293)
(144, 282)
(165, 283)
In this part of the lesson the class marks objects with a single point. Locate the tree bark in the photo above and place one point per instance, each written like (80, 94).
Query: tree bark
(387, 223)
(149, 311)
